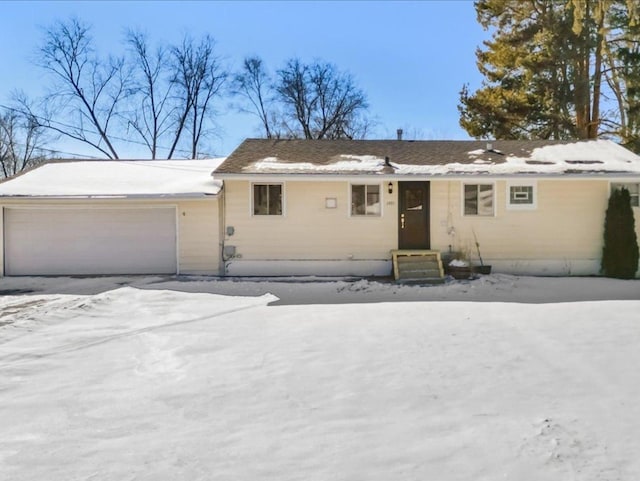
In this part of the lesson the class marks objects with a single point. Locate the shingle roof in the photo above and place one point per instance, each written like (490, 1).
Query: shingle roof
(434, 157)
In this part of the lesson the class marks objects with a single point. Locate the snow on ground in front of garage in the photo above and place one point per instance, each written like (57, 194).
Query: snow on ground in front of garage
(146, 381)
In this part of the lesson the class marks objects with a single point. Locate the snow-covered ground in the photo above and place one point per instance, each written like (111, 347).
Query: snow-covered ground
(200, 379)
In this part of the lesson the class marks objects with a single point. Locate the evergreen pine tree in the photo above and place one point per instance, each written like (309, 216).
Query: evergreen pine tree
(549, 66)
(620, 251)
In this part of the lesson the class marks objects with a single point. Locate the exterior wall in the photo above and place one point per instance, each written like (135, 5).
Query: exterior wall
(561, 236)
(197, 221)
(199, 237)
(309, 238)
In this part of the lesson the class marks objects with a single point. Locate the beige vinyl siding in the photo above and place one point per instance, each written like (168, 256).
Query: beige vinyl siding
(198, 236)
(567, 222)
(561, 234)
(308, 229)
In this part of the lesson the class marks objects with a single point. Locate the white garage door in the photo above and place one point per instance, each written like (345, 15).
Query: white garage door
(89, 241)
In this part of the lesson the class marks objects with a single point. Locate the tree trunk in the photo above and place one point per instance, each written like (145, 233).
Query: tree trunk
(594, 124)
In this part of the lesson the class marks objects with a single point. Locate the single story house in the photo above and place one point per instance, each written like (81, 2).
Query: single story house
(111, 217)
(319, 207)
(339, 207)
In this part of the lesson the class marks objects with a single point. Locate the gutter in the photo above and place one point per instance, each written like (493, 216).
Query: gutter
(263, 177)
(185, 196)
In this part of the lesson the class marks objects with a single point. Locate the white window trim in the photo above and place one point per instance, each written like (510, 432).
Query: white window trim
(522, 183)
(251, 206)
(478, 182)
(350, 191)
(626, 181)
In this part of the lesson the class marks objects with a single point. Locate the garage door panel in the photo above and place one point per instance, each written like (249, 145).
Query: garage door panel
(90, 241)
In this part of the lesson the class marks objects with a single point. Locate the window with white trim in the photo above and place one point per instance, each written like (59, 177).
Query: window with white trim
(633, 188)
(267, 199)
(478, 199)
(521, 195)
(365, 200)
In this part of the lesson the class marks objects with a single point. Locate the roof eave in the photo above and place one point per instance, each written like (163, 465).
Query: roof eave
(408, 177)
(181, 196)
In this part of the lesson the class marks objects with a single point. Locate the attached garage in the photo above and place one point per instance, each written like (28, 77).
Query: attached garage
(111, 218)
(73, 241)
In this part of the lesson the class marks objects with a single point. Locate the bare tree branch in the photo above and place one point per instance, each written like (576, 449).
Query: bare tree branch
(199, 78)
(294, 92)
(323, 101)
(253, 83)
(86, 89)
(21, 140)
(152, 114)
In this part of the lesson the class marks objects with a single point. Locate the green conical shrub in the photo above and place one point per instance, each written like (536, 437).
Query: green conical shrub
(620, 251)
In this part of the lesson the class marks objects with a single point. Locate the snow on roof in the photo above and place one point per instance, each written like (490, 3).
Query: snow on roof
(348, 163)
(110, 178)
(596, 156)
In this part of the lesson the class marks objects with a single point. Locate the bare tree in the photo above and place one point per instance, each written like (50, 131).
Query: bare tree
(21, 139)
(199, 78)
(170, 90)
(321, 101)
(293, 90)
(151, 115)
(87, 91)
(358, 127)
(253, 83)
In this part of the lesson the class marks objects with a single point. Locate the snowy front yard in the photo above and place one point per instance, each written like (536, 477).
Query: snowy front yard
(150, 382)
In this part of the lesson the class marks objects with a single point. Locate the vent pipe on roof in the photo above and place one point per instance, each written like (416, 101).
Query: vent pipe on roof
(387, 162)
(399, 133)
(489, 146)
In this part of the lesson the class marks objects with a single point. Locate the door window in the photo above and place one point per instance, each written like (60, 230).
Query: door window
(413, 199)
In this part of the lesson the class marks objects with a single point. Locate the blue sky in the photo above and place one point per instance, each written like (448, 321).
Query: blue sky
(410, 57)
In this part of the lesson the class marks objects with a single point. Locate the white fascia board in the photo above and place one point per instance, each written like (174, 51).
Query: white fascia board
(417, 177)
(198, 196)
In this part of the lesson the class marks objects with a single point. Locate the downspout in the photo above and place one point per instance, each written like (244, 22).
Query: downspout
(222, 270)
